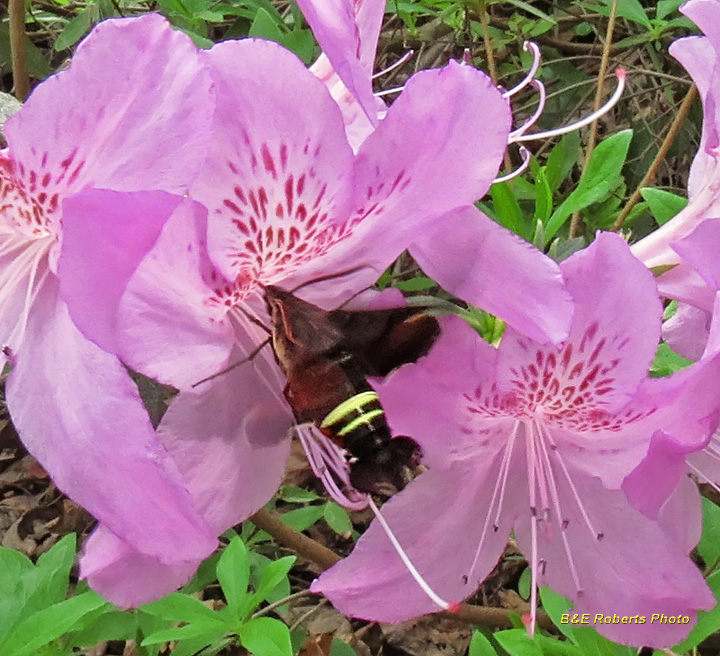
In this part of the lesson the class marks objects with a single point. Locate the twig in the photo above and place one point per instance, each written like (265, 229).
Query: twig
(308, 548)
(664, 147)
(305, 546)
(21, 78)
(592, 138)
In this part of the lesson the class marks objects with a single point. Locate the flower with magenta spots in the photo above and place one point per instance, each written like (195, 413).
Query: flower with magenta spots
(283, 199)
(537, 439)
(137, 131)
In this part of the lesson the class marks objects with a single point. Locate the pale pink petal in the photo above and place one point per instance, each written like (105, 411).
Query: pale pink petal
(652, 482)
(279, 174)
(633, 568)
(126, 577)
(172, 321)
(80, 415)
(230, 439)
(348, 31)
(686, 332)
(106, 234)
(684, 284)
(463, 364)
(700, 250)
(482, 263)
(135, 96)
(374, 584)
(615, 326)
(701, 57)
(438, 148)
(681, 515)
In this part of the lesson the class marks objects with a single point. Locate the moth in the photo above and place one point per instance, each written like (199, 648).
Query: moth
(327, 357)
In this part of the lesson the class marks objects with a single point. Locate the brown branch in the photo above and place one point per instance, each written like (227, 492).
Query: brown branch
(592, 138)
(322, 556)
(664, 147)
(21, 78)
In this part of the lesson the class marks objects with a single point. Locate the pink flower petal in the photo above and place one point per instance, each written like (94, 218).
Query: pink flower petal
(374, 584)
(172, 320)
(106, 234)
(686, 332)
(80, 415)
(633, 569)
(348, 32)
(483, 263)
(440, 145)
(126, 577)
(279, 175)
(157, 102)
(615, 326)
(463, 362)
(229, 438)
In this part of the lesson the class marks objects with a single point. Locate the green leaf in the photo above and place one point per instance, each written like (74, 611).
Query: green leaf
(180, 608)
(36, 62)
(76, 28)
(265, 636)
(49, 624)
(53, 570)
(667, 362)
(525, 6)
(708, 621)
(562, 159)
(105, 624)
(265, 27)
(543, 196)
(293, 494)
(709, 546)
(601, 176)
(303, 518)
(416, 284)
(338, 519)
(340, 648)
(209, 631)
(233, 572)
(480, 646)
(667, 7)
(507, 209)
(271, 577)
(630, 9)
(302, 43)
(663, 204)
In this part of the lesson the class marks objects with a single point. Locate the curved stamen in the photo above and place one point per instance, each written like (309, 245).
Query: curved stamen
(437, 599)
(404, 59)
(497, 494)
(387, 92)
(513, 136)
(328, 463)
(620, 74)
(527, 156)
(528, 46)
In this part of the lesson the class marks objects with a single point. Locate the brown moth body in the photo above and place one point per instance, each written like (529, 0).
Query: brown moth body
(327, 357)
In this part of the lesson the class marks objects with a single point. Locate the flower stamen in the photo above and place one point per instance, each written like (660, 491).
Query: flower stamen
(404, 59)
(437, 599)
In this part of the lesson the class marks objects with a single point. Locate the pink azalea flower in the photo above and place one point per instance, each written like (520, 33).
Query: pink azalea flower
(537, 440)
(701, 57)
(282, 199)
(142, 127)
(694, 332)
